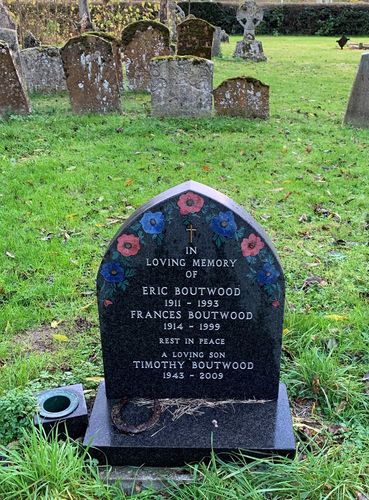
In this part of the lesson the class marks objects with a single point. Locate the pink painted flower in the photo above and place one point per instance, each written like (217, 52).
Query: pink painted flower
(252, 245)
(128, 244)
(107, 302)
(276, 303)
(190, 203)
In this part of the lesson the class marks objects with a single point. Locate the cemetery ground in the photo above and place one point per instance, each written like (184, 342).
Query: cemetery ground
(68, 182)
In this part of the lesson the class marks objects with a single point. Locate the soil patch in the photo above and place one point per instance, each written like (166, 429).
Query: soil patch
(42, 338)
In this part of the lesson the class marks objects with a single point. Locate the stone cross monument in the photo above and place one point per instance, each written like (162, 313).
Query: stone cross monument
(249, 15)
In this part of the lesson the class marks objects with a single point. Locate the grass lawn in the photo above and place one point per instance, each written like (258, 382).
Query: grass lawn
(67, 183)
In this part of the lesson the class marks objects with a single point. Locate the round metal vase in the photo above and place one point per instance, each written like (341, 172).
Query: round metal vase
(57, 403)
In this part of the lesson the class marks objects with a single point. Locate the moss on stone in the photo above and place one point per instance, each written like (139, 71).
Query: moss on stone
(129, 31)
(248, 79)
(195, 60)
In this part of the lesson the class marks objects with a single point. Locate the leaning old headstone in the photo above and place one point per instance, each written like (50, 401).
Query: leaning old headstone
(91, 75)
(6, 19)
(181, 86)
(195, 38)
(141, 41)
(191, 299)
(10, 37)
(357, 113)
(249, 15)
(43, 70)
(242, 96)
(13, 96)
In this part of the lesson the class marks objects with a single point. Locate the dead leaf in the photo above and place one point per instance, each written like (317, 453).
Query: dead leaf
(87, 306)
(60, 338)
(313, 280)
(337, 429)
(95, 379)
(129, 182)
(315, 385)
(308, 149)
(71, 216)
(320, 210)
(337, 317)
(54, 324)
(341, 406)
(206, 168)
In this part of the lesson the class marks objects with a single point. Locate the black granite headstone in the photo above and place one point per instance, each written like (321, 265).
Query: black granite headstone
(191, 299)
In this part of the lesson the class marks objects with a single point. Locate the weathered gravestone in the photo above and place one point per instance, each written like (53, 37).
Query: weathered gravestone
(216, 49)
(6, 19)
(191, 300)
(13, 96)
(181, 86)
(195, 38)
(175, 15)
(10, 37)
(116, 50)
(357, 113)
(43, 69)
(141, 41)
(91, 75)
(242, 96)
(30, 41)
(249, 15)
(8, 34)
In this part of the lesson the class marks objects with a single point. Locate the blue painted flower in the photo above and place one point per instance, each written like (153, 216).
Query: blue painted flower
(152, 222)
(112, 272)
(224, 224)
(268, 274)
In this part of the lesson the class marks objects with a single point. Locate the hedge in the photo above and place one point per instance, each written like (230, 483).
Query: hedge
(291, 19)
(53, 22)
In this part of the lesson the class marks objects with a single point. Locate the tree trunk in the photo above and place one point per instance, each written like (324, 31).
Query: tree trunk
(85, 17)
(163, 11)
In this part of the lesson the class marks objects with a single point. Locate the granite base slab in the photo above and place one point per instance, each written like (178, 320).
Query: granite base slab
(133, 480)
(257, 428)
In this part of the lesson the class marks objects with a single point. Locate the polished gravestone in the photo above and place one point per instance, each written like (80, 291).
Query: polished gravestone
(191, 300)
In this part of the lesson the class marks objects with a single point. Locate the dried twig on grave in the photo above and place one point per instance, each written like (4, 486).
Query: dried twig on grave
(181, 406)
